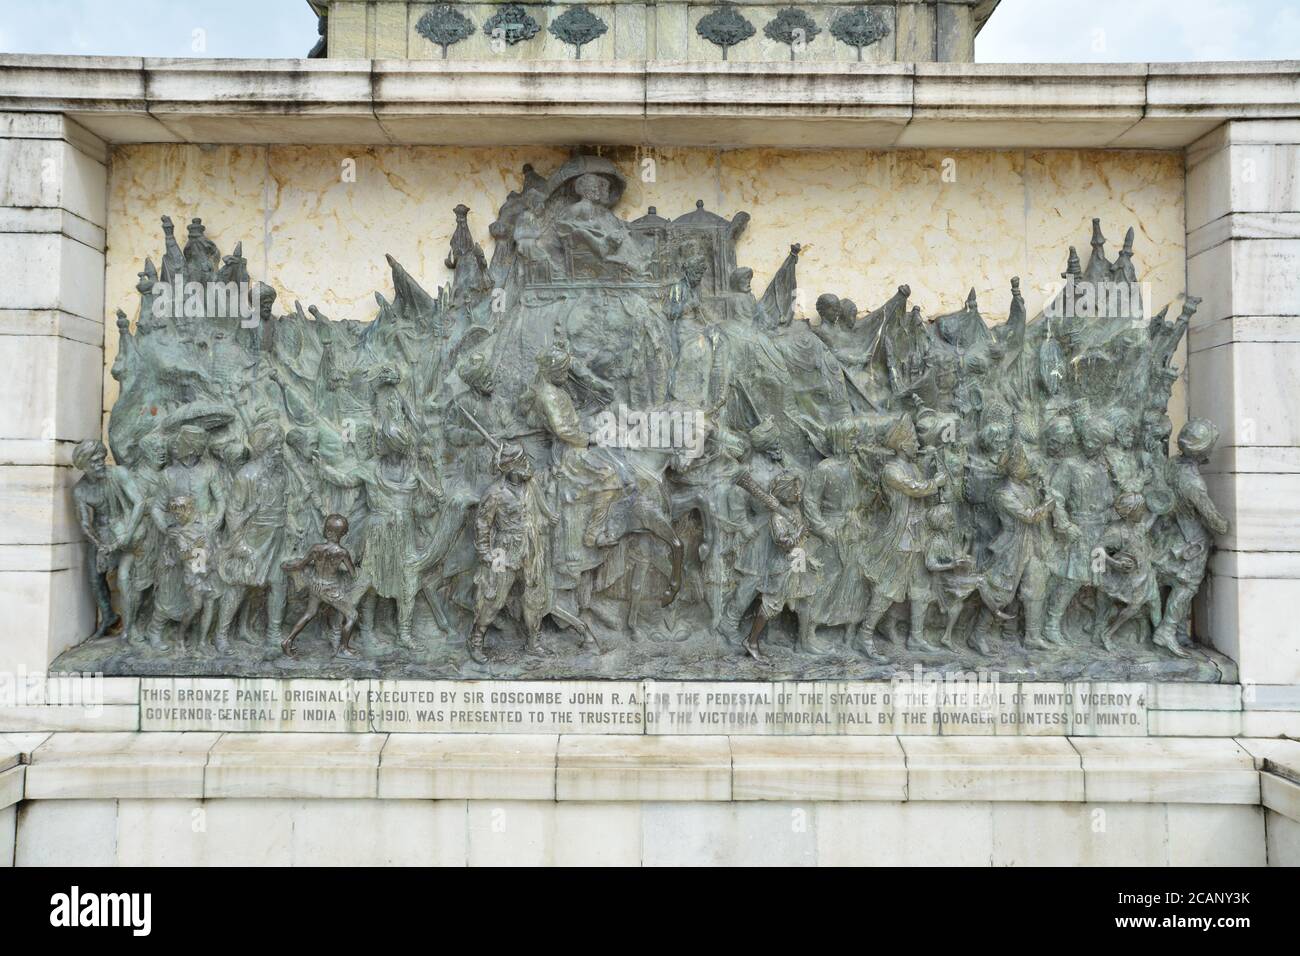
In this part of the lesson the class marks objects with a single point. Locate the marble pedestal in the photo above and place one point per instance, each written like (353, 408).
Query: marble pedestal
(1085, 773)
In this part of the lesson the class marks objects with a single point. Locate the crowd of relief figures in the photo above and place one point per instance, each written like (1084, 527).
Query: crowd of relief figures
(596, 452)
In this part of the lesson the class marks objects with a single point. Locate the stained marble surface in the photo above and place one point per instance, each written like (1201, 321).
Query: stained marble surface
(316, 221)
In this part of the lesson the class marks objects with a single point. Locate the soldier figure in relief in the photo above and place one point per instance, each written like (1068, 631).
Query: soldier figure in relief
(1186, 534)
(1021, 552)
(256, 523)
(834, 506)
(1130, 578)
(1083, 487)
(788, 579)
(510, 539)
(101, 504)
(895, 558)
(586, 481)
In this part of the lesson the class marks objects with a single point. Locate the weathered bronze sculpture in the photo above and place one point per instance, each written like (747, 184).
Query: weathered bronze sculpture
(602, 429)
(324, 569)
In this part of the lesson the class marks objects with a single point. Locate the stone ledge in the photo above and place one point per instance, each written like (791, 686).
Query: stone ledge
(821, 768)
(330, 766)
(18, 748)
(53, 127)
(1027, 769)
(1281, 757)
(1280, 795)
(53, 220)
(73, 702)
(39, 452)
(621, 769)
(1194, 723)
(153, 766)
(1167, 770)
(468, 766)
(1173, 696)
(497, 102)
(1243, 226)
(649, 768)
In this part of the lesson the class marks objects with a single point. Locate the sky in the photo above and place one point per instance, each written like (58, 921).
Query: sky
(1140, 31)
(1029, 31)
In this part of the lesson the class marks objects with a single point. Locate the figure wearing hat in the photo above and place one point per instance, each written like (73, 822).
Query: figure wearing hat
(257, 518)
(1082, 485)
(528, 231)
(548, 402)
(590, 223)
(395, 490)
(1021, 552)
(1130, 579)
(510, 538)
(834, 503)
(769, 456)
(699, 377)
(202, 257)
(788, 578)
(752, 546)
(1186, 535)
(471, 454)
(189, 507)
(983, 473)
(194, 474)
(587, 482)
(466, 260)
(895, 563)
(108, 508)
(709, 484)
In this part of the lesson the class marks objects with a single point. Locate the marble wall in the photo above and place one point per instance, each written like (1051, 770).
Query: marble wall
(237, 832)
(316, 221)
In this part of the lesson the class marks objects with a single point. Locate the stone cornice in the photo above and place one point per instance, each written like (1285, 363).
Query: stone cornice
(370, 102)
(173, 766)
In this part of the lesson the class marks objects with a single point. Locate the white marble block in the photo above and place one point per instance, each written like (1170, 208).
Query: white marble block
(1168, 770)
(120, 765)
(53, 209)
(333, 766)
(468, 767)
(1243, 220)
(643, 768)
(817, 768)
(992, 768)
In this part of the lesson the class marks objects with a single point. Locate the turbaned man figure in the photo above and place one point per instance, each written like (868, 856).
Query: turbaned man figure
(510, 538)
